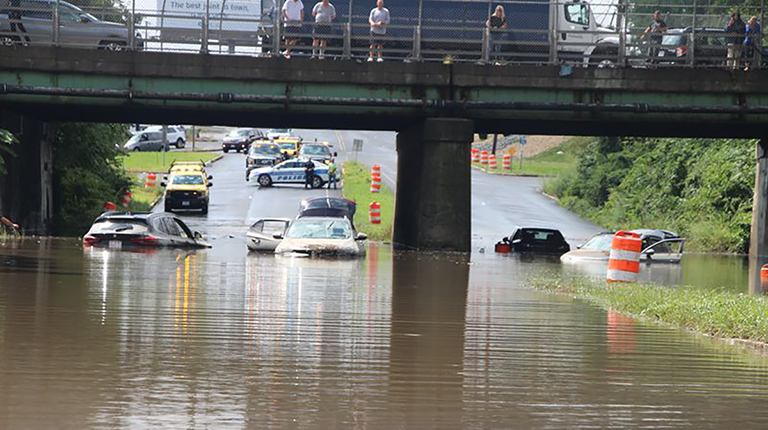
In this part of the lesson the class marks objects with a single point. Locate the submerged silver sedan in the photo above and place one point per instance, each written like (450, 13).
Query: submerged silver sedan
(322, 236)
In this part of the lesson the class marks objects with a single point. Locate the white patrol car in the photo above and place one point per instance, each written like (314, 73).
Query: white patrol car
(289, 172)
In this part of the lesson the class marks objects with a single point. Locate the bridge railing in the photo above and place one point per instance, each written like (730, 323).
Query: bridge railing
(533, 31)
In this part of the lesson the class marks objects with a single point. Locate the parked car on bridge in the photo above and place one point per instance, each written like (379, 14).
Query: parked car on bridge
(124, 230)
(660, 246)
(147, 141)
(710, 47)
(534, 240)
(77, 28)
(289, 172)
(187, 188)
(262, 153)
(261, 235)
(239, 139)
(321, 236)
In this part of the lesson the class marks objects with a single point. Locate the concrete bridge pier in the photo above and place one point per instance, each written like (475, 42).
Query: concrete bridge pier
(758, 239)
(433, 198)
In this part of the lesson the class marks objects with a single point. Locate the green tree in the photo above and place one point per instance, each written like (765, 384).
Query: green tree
(7, 140)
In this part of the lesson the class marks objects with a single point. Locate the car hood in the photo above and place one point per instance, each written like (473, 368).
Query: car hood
(318, 247)
(235, 139)
(579, 255)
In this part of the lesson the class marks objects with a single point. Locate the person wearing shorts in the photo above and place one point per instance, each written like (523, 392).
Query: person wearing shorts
(324, 14)
(293, 16)
(378, 20)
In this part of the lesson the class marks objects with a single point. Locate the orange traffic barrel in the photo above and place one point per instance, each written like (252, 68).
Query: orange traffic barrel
(375, 178)
(624, 261)
(151, 180)
(484, 157)
(109, 206)
(764, 278)
(376, 170)
(374, 214)
(506, 163)
(127, 199)
(475, 155)
(492, 161)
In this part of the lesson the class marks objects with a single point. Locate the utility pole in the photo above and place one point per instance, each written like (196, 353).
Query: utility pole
(495, 139)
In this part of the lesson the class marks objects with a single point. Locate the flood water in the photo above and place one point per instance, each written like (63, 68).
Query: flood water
(220, 338)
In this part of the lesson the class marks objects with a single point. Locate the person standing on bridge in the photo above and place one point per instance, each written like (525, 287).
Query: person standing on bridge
(752, 41)
(734, 36)
(656, 29)
(497, 23)
(324, 14)
(378, 20)
(293, 16)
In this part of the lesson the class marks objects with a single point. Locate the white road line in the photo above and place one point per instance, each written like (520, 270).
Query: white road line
(341, 140)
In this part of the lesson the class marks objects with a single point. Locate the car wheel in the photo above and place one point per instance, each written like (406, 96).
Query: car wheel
(113, 45)
(9, 40)
(136, 149)
(265, 181)
(166, 148)
(180, 143)
(226, 150)
(317, 182)
(204, 210)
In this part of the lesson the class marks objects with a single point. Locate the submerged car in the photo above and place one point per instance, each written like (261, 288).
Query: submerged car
(328, 207)
(321, 236)
(657, 246)
(118, 230)
(289, 172)
(537, 241)
(261, 235)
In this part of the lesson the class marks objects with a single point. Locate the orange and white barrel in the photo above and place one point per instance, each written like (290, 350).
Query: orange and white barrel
(376, 178)
(151, 180)
(484, 157)
(624, 262)
(374, 213)
(492, 161)
(109, 206)
(764, 278)
(506, 162)
(127, 199)
(475, 155)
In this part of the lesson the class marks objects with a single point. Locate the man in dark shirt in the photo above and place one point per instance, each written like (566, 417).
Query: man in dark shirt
(735, 31)
(656, 29)
(309, 173)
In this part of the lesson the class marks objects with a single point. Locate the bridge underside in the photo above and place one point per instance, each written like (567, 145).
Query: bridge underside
(84, 85)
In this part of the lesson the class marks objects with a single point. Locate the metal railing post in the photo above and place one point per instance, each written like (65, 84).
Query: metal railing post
(485, 55)
(204, 36)
(277, 32)
(56, 24)
(692, 43)
(554, 34)
(131, 32)
(347, 54)
(416, 52)
(759, 42)
(621, 19)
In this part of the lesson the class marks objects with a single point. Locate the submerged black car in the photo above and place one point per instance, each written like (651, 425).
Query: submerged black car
(123, 230)
(538, 241)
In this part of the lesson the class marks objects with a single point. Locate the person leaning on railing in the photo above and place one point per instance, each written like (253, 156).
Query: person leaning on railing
(293, 15)
(735, 31)
(497, 23)
(378, 20)
(324, 14)
(656, 30)
(752, 42)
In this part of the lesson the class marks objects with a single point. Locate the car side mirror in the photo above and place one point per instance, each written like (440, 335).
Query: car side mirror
(198, 235)
(361, 236)
(84, 19)
(278, 236)
(162, 184)
(650, 252)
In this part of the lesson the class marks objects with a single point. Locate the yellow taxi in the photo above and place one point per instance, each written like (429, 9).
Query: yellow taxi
(187, 187)
(289, 146)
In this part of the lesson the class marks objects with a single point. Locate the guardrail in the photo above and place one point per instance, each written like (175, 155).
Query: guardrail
(535, 32)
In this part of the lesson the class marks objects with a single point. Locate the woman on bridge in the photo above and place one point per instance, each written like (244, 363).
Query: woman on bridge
(497, 23)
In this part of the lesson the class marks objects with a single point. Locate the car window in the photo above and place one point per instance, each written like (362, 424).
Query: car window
(274, 227)
(577, 13)
(320, 229)
(37, 10)
(289, 165)
(170, 227)
(67, 13)
(187, 180)
(184, 231)
(315, 150)
(116, 225)
(673, 40)
(601, 242)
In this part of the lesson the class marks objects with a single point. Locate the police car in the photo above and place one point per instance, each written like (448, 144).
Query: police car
(289, 172)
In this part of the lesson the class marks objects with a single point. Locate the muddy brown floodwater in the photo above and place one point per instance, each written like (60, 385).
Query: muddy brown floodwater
(220, 339)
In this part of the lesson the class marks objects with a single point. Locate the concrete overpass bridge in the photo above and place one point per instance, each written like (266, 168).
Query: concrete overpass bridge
(435, 108)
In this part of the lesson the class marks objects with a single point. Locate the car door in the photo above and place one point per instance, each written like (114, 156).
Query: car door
(73, 30)
(261, 236)
(37, 17)
(282, 173)
(187, 235)
(175, 233)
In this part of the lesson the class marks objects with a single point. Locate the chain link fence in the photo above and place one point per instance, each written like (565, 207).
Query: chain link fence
(606, 33)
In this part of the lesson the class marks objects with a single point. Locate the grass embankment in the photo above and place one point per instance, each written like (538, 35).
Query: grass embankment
(550, 163)
(716, 313)
(135, 163)
(357, 187)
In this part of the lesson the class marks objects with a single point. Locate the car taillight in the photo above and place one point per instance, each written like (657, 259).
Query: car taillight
(90, 240)
(681, 51)
(145, 240)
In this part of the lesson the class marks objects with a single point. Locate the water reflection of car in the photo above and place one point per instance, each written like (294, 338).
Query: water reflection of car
(317, 151)
(289, 172)
(537, 241)
(262, 154)
(709, 48)
(239, 139)
(322, 236)
(118, 230)
(261, 235)
(657, 246)
(77, 28)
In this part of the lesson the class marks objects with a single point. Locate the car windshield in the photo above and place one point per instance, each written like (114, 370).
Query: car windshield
(532, 235)
(601, 242)
(316, 150)
(117, 225)
(280, 131)
(673, 40)
(135, 138)
(265, 149)
(187, 180)
(320, 229)
(240, 132)
(287, 145)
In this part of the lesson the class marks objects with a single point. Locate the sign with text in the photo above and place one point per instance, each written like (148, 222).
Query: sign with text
(224, 15)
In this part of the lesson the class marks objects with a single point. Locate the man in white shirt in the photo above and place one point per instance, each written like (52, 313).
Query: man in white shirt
(324, 14)
(293, 16)
(378, 20)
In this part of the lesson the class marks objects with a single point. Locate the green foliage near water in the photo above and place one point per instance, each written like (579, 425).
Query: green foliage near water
(700, 188)
(7, 140)
(357, 186)
(712, 312)
(86, 173)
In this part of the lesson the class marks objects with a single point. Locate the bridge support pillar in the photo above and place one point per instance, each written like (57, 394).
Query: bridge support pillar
(758, 239)
(433, 199)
